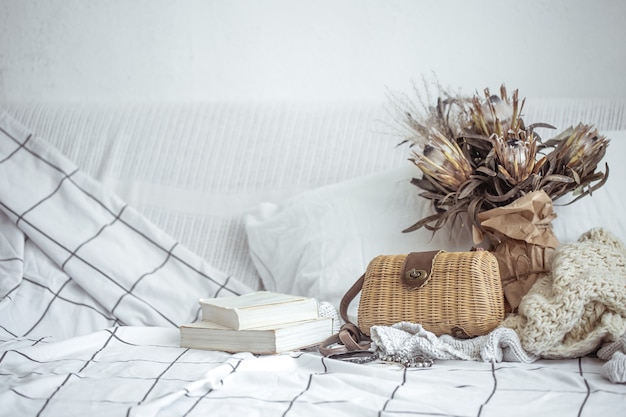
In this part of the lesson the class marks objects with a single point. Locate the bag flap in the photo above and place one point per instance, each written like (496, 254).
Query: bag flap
(417, 268)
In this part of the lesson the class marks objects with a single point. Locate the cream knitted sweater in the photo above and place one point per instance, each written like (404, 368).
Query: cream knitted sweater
(581, 304)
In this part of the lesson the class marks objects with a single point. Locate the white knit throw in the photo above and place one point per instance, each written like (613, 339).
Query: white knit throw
(405, 341)
(409, 340)
(581, 304)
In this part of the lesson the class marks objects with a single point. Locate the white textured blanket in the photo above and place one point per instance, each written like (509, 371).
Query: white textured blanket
(408, 340)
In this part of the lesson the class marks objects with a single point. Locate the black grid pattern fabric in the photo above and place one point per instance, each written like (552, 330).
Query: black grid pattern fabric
(141, 371)
(72, 247)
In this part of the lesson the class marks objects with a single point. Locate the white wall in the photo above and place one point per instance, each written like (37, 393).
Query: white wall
(138, 50)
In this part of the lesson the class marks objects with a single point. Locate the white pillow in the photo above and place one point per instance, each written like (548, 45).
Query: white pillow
(319, 242)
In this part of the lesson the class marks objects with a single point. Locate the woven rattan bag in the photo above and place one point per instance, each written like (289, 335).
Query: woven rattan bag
(456, 293)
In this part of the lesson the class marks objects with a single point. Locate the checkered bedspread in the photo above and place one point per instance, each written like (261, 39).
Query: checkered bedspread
(90, 301)
(141, 371)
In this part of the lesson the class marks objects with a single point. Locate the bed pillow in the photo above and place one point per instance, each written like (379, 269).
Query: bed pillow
(319, 242)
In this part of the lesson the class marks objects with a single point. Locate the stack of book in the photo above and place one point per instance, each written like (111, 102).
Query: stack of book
(262, 322)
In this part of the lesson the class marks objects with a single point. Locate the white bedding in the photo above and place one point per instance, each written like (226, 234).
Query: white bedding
(141, 371)
(89, 305)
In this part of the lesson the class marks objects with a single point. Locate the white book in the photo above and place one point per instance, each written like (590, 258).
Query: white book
(257, 309)
(261, 340)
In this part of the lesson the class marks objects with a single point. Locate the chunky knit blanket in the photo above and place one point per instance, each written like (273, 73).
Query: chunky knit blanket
(581, 304)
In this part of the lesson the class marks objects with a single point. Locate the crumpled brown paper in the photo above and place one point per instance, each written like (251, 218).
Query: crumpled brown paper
(522, 240)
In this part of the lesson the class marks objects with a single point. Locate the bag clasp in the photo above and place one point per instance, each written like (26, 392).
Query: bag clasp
(417, 267)
(416, 278)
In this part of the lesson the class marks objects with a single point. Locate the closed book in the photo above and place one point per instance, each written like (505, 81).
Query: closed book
(257, 309)
(262, 340)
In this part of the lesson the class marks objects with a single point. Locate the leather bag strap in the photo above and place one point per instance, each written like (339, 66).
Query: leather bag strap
(349, 296)
(350, 336)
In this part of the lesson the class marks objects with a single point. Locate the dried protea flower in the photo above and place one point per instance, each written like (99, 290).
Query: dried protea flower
(496, 114)
(442, 160)
(516, 155)
(581, 149)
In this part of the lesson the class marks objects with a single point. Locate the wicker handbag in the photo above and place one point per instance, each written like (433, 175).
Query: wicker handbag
(455, 293)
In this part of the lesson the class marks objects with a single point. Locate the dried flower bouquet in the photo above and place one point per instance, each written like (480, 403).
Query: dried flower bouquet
(480, 161)
(477, 153)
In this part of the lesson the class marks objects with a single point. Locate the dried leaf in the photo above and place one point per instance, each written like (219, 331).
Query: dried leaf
(467, 189)
(545, 125)
(486, 171)
(557, 178)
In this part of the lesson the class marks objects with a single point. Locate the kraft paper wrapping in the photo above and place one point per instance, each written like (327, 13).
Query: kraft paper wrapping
(523, 242)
